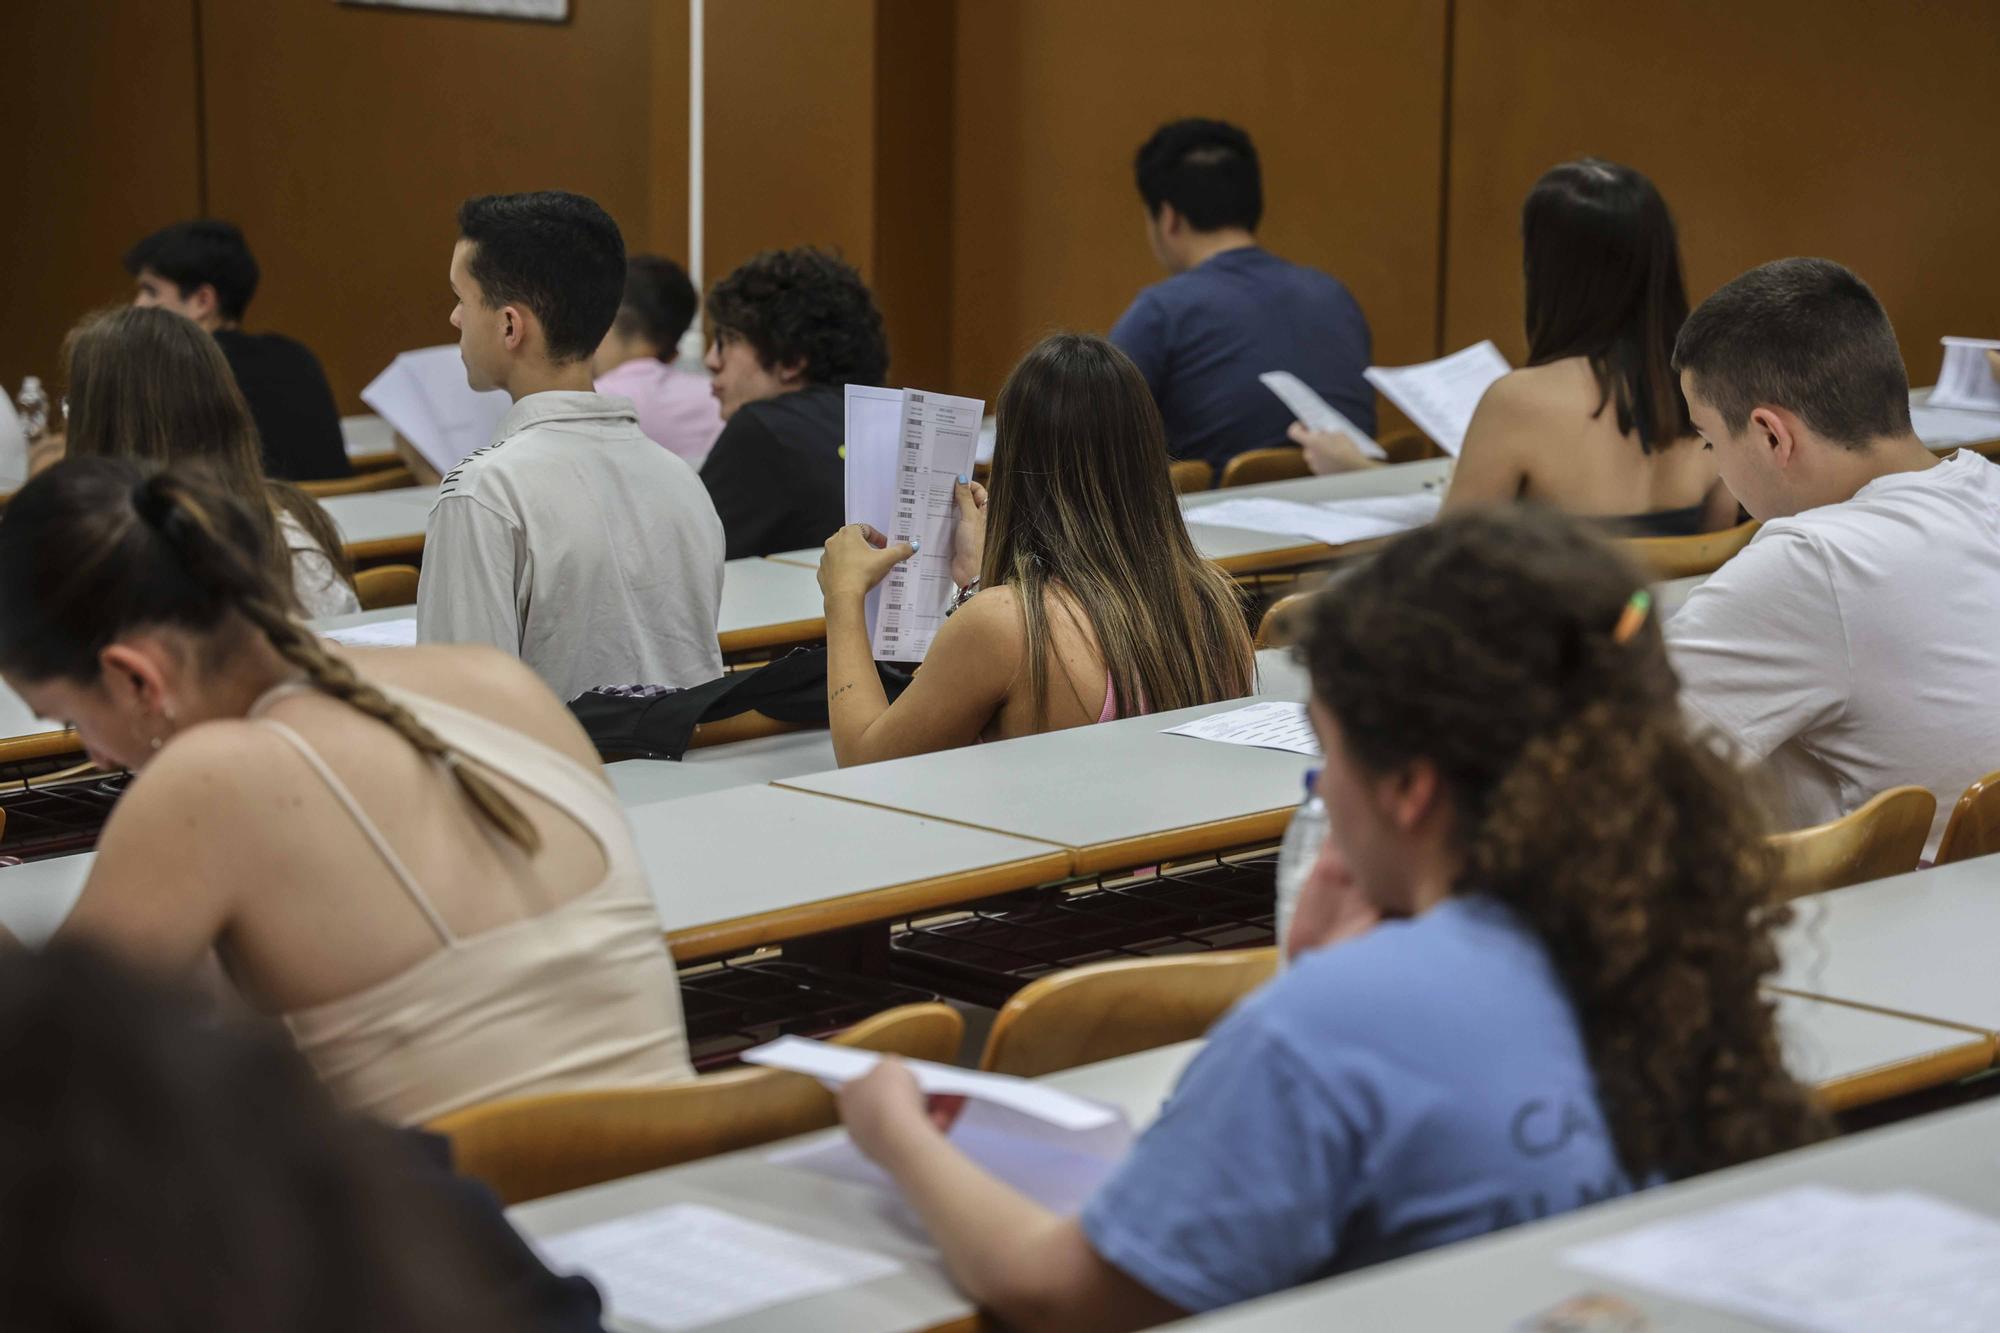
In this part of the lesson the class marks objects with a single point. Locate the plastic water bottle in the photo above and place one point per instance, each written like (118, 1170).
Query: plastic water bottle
(33, 406)
(1296, 854)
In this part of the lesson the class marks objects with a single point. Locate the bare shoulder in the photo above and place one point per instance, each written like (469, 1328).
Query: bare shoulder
(221, 777)
(987, 628)
(1535, 391)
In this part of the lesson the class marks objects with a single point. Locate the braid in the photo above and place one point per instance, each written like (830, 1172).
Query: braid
(182, 518)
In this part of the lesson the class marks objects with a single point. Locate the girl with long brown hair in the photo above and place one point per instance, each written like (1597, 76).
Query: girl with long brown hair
(1091, 601)
(442, 900)
(150, 385)
(1525, 975)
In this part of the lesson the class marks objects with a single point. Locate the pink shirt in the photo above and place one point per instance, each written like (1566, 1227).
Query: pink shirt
(675, 406)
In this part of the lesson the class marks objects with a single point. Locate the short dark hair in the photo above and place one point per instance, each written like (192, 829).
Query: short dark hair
(559, 254)
(1207, 169)
(204, 250)
(804, 305)
(1802, 334)
(658, 304)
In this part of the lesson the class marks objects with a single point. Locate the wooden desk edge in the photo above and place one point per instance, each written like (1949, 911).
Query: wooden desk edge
(742, 934)
(386, 548)
(773, 636)
(44, 745)
(1220, 835)
(1901, 1077)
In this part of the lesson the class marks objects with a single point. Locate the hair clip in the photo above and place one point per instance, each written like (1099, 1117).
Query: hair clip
(1632, 617)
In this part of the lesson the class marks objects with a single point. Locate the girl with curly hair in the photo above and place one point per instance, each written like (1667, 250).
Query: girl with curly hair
(1525, 974)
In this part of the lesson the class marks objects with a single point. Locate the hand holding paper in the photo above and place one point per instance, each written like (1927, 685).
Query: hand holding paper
(1440, 395)
(1316, 414)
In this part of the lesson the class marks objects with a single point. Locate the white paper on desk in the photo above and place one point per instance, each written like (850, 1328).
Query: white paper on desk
(1315, 412)
(689, 1266)
(424, 396)
(1439, 396)
(1820, 1259)
(1267, 726)
(1335, 522)
(1965, 380)
(1945, 427)
(376, 634)
(900, 475)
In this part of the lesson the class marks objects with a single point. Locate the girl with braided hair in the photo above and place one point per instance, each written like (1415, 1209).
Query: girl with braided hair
(442, 899)
(1525, 975)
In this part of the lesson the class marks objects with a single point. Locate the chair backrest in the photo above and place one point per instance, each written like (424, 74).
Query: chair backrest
(1190, 474)
(386, 585)
(392, 478)
(1279, 464)
(1974, 826)
(1884, 837)
(534, 1146)
(1104, 1010)
(1285, 622)
(1408, 446)
(1683, 557)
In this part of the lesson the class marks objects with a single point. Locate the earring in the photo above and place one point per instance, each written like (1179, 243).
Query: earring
(157, 742)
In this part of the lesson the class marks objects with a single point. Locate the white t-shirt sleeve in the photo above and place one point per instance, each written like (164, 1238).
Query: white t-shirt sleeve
(1760, 648)
(467, 592)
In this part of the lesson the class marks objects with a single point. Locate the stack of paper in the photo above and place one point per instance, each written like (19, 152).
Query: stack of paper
(1965, 380)
(1315, 412)
(689, 1266)
(1268, 726)
(423, 394)
(1335, 522)
(1439, 396)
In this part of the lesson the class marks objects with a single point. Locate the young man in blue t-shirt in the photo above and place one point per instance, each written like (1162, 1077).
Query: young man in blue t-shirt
(1231, 309)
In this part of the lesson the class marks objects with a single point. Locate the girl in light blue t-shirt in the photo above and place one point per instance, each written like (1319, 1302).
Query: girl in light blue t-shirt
(1525, 971)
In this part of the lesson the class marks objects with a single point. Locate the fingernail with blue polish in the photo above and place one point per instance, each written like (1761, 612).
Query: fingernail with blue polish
(915, 546)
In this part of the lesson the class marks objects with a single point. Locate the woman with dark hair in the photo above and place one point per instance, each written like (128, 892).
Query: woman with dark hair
(1092, 603)
(636, 359)
(442, 900)
(150, 385)
(1595, 423)
(1525, 975)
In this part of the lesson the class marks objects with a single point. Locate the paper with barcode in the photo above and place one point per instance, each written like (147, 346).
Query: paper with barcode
(1315, 413)
(376, 634)
(1820, 1259)
(1440, 396)
(1267, 726)
(688, 1266)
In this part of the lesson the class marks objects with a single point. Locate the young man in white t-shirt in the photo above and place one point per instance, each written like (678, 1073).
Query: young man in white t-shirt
(571, 541)
(1854, 644)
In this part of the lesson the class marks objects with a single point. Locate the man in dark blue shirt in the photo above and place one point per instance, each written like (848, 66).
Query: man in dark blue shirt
(1231, 309)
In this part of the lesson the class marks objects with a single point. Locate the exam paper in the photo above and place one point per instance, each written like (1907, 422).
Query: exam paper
(906, 450)
(1965, 380)
(1942, 428)
(1315, 412)
(1439, 396)
(1267, 726)
(687, 1265)
(1335, 522)
(377, 634)
(424, 396)
(1820, 1259)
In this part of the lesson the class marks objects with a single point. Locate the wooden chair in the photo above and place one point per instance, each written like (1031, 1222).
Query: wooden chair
(386, 585)
(1681, 557)
(391, 478)
(1884, 837)
(1280, 464)
(1190, 474)
(1974, 826)
(1285, 622)
(1094, 1013)
(1409, 446)
(534, 1146)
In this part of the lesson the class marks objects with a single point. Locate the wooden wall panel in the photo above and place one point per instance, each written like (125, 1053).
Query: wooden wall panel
(1856, 130)
(342, 140)
(912, 259)
(99, 107)
(1344, 99)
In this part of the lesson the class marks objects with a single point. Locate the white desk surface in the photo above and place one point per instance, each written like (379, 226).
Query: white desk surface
(1919, 944)
(367, 434)
(1091, 786)
(758, 593)
(1670, 596)
(1505, 1280)
(921, 1295)
(375, 516)
(17, 719)
(720, 767)
(1824, 1041)
(1964, 427)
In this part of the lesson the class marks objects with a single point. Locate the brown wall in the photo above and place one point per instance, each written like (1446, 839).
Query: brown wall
(1859, 131)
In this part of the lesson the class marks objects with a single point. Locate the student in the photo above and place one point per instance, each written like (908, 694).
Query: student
(150, 386)
(442, 900)
(1525, 977)
(1231, 310)
(1594, 423)
(1852, 645)
(161, 1172)
(636, 359)
(1091, 602)
(204, 270)
(572, 541)
(793, 328)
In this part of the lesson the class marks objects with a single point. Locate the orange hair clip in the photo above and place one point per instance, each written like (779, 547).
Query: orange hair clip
(1633, 616)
